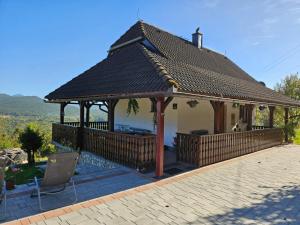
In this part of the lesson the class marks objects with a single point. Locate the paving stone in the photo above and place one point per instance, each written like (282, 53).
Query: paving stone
(240, 191)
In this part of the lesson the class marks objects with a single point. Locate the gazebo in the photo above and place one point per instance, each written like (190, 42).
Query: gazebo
(186, 93)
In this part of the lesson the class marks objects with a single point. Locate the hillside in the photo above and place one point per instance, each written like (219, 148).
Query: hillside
(19, 105)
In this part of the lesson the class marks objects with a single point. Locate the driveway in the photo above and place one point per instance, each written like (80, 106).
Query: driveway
(259, 188)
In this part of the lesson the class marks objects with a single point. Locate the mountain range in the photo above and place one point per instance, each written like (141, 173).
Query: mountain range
(19, 105)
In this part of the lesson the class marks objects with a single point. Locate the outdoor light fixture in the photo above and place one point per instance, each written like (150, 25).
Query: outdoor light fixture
(235, 105)
(261, 108)
(192, 103)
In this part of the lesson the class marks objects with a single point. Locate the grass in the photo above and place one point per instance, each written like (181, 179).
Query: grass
(23, 174)
(297, 137)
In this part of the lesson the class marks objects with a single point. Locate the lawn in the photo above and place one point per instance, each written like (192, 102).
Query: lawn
(297, 137)
(23, 174)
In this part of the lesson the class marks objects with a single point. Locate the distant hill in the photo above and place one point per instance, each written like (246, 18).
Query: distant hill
(19, 105)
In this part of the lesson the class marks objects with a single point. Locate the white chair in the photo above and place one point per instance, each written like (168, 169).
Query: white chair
(59, 171)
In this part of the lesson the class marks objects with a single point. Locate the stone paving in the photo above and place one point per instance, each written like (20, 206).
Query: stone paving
(259, 188)
(94, 179)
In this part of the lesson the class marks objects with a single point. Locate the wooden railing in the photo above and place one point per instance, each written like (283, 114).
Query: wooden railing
(96, 125)
(209, 149)
(65, 134)
(136, 151)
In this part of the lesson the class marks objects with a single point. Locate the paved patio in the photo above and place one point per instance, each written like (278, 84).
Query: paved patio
(96, 177)
(260, 188)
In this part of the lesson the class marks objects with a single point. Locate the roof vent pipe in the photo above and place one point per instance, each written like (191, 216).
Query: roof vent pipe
(197, 38)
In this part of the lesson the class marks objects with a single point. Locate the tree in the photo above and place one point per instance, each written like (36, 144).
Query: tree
(31, 140)
(289, 86)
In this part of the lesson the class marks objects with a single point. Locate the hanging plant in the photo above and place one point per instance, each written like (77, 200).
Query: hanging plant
(133, 106)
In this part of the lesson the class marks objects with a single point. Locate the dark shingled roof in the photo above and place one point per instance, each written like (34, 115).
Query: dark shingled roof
(158, 60)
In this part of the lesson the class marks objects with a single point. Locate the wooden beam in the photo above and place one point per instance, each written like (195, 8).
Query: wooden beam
(103, 104)
(167, 102)
(62, 112)
(219, 117)
(286, 121)
(111, 113)
(271, 116)
(160, 137)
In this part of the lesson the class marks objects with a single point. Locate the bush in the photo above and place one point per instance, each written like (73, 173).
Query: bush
(31, 140)
(47, 149)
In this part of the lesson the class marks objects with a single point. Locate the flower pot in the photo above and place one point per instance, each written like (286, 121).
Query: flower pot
(10, 184)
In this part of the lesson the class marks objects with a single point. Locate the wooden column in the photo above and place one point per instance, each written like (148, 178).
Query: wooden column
(218, 116)
(286, 121)
(81, 127)
(111, 104)
(249, 110)
(81, 116)
(271, 116)
(161, 105)
(160, 137)
(62, 112)
(87, 114)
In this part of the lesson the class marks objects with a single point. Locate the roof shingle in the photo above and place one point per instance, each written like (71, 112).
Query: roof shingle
(135, 68)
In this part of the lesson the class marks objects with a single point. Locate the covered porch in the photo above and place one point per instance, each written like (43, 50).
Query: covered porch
(146, 150)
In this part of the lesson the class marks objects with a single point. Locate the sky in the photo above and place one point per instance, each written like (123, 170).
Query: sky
(44, 44)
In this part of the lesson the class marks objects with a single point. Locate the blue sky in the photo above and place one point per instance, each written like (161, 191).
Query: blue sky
(43, 44)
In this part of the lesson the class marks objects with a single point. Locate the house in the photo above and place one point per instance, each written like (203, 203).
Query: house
(182, 88)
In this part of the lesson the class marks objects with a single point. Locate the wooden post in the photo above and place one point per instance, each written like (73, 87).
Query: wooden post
(81, 119)
(161, 105)
(87, 114)
(160, 137)
(219, 112)
(249, 110)
(271, 116)
(81, 127)
(62, 112)
(286, 121)
(111, 113)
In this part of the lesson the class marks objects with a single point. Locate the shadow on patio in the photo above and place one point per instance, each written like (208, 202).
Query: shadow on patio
(278, 207)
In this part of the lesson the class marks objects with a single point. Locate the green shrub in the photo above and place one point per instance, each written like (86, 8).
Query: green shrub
(31, 140)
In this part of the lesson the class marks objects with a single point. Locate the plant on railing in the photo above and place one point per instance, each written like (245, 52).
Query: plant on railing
(133, 106)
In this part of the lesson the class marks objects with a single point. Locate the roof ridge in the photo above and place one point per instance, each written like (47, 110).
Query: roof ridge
(160, 68)
(142, 27)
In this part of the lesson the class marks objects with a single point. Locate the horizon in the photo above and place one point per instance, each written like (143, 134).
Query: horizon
(43, 45)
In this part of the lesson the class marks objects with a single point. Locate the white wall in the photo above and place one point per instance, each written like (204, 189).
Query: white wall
(229, 110)
(198, 118)
(184, 119)
(143, 119)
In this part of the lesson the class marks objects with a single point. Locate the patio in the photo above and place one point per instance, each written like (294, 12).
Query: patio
(260, 188)
(95, 177)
